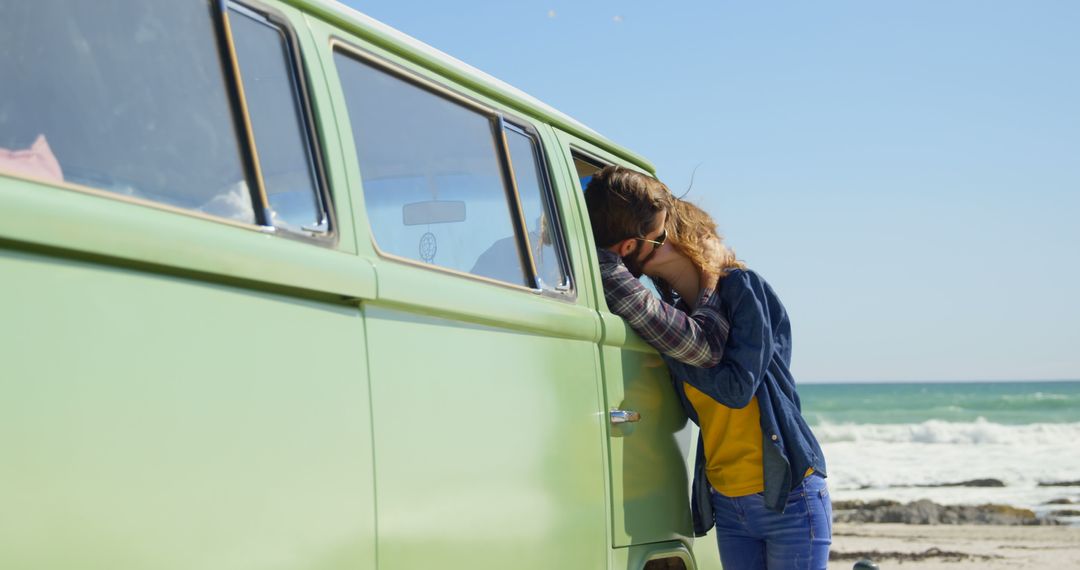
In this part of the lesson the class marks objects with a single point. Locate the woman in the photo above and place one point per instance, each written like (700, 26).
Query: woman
(760, 471)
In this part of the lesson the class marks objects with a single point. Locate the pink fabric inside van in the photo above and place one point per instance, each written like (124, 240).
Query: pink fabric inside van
(37, 161)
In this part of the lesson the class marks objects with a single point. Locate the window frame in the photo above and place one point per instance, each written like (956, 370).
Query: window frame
(498, 121)
(325, 231)
(577, 152)
(547, 189)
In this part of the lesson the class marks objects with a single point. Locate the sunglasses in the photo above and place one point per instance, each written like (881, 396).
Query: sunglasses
(659, 241)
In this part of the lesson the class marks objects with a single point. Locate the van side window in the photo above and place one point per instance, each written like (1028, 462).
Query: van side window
(535, 194)
(434, 186)
(126, 97)
(278, 120)
(585, 167)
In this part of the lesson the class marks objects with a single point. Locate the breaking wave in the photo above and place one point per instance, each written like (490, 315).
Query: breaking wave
(979, 431)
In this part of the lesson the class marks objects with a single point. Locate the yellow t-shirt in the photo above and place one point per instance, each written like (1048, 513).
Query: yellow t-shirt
(733, 442)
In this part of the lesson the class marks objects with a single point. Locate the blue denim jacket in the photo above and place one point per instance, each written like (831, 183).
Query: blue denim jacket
(755, 363)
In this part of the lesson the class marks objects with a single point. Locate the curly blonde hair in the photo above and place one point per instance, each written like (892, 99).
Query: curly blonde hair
(688, 227)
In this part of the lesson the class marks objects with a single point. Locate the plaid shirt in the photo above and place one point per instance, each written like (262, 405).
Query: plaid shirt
(697, 338)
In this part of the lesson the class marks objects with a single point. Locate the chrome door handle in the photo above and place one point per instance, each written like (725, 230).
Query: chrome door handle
(624, 416)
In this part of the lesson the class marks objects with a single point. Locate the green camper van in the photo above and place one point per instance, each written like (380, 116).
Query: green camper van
(286, 288)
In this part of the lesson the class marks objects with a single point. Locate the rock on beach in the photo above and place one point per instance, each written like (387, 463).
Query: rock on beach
(926, 512)
(1059, 483)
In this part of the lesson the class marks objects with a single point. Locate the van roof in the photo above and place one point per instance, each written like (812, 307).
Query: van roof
(422, 54)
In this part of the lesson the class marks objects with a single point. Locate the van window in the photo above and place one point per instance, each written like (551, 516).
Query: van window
(535, 195)
(433, 181)
(127, 97)
(278, 120)
(585, 168)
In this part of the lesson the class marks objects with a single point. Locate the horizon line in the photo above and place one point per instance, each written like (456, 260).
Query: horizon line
(939, 381)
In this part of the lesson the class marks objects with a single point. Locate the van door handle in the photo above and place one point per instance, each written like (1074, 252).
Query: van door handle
(624, 416)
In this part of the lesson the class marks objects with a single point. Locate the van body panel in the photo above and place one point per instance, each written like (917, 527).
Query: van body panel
(575, 218)
(328, 135)
(35, 214)
(154, 421)
(488, 442)
(348, 188)
(647, 458)
(438, 293)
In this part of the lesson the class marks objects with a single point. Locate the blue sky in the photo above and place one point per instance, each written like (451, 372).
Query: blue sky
(905, 174)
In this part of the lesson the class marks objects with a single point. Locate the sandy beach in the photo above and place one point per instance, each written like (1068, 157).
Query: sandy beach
(955, 547)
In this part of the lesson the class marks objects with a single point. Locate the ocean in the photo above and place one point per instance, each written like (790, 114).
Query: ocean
(895, 441)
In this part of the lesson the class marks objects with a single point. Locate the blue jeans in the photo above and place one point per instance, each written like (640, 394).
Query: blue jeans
(753, 537)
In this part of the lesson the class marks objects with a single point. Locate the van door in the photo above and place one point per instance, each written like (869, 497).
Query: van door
(487, 415)
(648, 469)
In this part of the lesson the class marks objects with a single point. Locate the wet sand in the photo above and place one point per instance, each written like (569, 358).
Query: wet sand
(955, 547)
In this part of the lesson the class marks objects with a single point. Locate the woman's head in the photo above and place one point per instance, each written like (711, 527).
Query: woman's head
(689, 229)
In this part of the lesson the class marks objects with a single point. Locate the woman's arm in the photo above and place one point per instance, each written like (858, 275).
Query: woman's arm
(749, 348)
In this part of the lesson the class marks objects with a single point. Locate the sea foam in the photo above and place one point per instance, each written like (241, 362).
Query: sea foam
(980, 431)
(904, 461)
